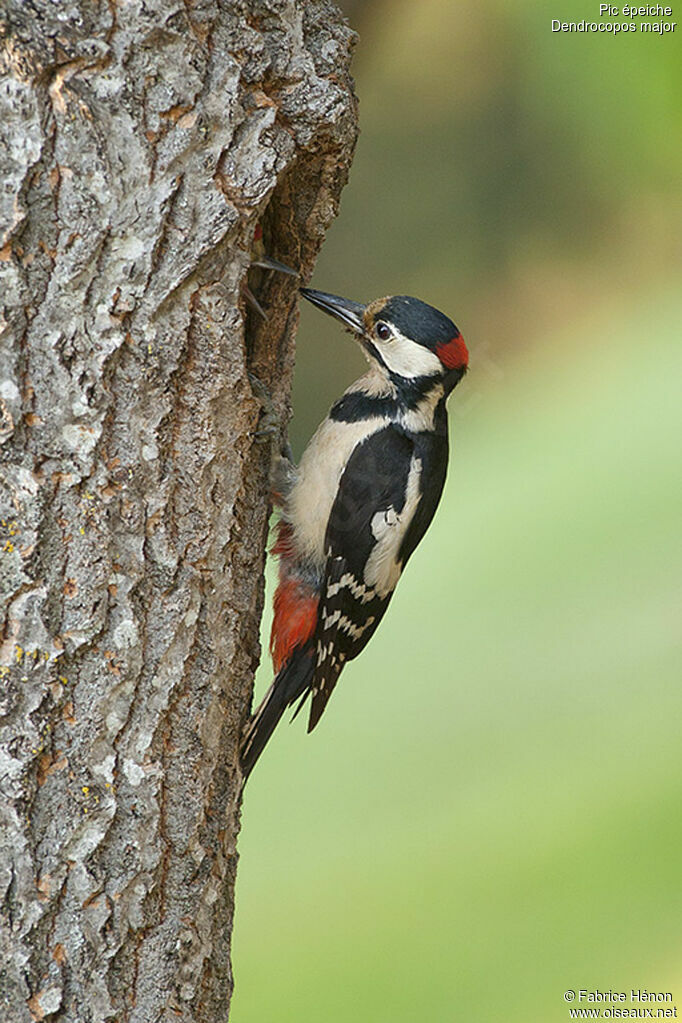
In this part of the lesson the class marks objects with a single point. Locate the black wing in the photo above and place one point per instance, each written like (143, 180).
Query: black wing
(387, 497)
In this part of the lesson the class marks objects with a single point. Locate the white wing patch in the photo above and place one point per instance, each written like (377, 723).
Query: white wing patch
(383, 568)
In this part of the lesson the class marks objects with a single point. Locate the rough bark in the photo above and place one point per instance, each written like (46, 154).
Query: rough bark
(139, 145)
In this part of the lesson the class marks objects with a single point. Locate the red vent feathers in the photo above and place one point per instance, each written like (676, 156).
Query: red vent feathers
(295, 604)
(295, 619)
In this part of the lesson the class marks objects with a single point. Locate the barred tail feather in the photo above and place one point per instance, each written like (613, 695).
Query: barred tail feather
(288, 686)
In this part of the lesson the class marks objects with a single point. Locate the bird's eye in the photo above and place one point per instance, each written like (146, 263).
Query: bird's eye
(383, 331)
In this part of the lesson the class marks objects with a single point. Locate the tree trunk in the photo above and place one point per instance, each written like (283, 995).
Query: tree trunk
(140, 144)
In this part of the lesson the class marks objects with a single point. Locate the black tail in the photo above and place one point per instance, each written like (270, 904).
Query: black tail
(290, 684)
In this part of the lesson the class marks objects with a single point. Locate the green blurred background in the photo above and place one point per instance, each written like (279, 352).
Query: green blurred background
(491, 810)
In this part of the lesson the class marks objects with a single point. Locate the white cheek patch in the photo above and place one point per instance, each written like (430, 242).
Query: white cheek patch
(407, 358)
(383, 567)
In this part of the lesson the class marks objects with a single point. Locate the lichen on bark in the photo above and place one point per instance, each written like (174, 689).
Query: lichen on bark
(140, 144)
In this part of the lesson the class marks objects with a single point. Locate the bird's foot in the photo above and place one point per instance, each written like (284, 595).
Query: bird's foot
(270, 427)
(270, 423)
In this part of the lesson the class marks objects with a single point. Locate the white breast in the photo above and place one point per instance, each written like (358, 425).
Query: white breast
(310, 501)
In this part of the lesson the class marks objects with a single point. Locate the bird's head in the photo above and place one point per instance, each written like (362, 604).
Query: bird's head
(411, 341)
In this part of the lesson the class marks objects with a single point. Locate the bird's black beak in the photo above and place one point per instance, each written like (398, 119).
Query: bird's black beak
(350, 313)
(268, 263)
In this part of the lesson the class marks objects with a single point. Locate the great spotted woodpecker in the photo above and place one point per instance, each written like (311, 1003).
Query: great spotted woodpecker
(360, 501)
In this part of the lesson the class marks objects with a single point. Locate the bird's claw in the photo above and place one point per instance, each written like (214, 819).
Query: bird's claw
(270, 425)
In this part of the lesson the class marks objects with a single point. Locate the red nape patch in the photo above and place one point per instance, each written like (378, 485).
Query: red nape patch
(453, 353)
(295, 618)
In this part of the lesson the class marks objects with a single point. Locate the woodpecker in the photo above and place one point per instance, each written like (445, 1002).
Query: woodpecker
(359, 502)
